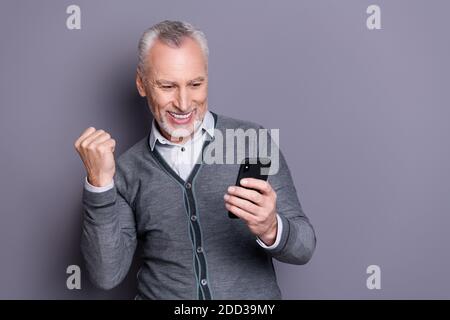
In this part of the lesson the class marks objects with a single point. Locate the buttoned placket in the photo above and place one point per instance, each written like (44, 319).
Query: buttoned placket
(191, 152)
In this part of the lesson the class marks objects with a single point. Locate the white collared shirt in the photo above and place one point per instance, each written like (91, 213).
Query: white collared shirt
(183, 157)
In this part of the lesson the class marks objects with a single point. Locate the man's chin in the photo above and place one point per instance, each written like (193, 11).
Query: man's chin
(180, 132)
(183, 131)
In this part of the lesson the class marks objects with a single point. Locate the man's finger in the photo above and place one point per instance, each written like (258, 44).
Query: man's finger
(84, 135)
(251, 195)
(258, 184)
(92, 137)
(243, 204)
(239, 212)
(101, 138)
(111, 144)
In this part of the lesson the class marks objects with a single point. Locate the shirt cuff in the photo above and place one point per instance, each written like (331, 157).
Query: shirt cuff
(277, 239)
(91, 188)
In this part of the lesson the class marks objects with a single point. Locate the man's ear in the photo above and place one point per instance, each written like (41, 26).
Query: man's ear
(140, 85)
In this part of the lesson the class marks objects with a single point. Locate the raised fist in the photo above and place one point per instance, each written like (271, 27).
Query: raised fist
(96, 150)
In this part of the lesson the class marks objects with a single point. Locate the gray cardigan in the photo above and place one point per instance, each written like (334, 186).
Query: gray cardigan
(191, 249)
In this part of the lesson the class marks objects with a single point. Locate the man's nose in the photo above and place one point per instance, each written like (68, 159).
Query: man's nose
(183, 100)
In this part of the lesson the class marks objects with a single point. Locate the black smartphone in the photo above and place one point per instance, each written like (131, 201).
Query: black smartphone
(251, 168)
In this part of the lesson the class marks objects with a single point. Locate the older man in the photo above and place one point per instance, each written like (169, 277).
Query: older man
(162, 192)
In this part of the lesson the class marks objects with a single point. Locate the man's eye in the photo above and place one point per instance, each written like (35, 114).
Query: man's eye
(196, 84)
(167, 87)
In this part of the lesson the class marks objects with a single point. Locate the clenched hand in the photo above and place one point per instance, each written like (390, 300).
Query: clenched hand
(96, 150)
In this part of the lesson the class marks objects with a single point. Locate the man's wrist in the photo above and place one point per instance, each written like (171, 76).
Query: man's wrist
(88, 186)
(270, 236)
(278, 236)
(99, 182)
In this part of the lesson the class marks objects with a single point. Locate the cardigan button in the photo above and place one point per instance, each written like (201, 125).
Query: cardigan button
(194, 218)
(204, 282)
(188, 185)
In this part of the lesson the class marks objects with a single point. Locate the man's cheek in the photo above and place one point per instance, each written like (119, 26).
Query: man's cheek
(201, 98)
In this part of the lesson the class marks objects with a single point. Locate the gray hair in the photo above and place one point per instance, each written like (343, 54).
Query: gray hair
(172, 34)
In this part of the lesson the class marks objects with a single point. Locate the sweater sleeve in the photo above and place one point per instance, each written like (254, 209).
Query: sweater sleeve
(108, 239)
(298, 239)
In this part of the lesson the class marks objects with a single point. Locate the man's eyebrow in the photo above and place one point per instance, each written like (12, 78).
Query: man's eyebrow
(161, 82)
(198, 79)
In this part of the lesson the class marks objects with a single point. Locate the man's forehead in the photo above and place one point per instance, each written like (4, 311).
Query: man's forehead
(175, 64)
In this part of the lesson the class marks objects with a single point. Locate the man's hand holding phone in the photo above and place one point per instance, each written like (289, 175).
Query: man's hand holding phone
(256, 207)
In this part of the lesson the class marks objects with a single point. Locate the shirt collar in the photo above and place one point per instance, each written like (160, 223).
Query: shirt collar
(207, 125)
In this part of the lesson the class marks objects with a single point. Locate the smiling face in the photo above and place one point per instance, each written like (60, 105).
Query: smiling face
(176, 84)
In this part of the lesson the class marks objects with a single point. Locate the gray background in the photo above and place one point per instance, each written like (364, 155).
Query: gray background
(363, 117)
